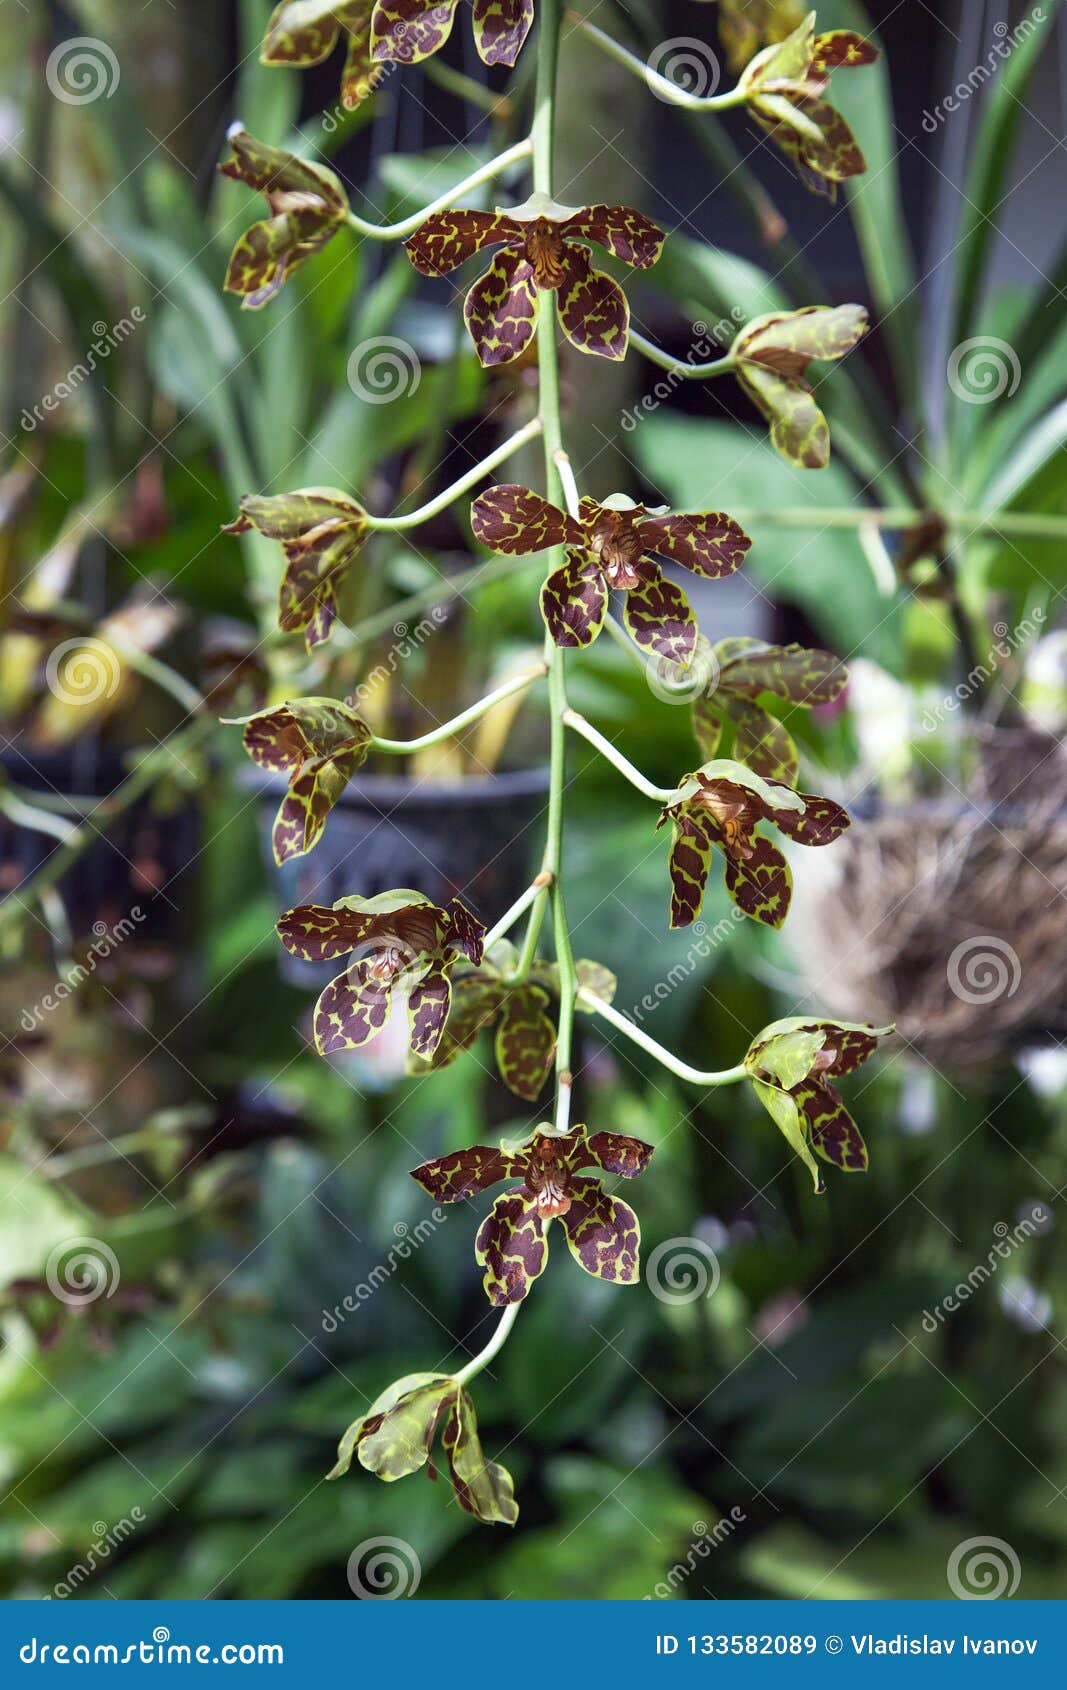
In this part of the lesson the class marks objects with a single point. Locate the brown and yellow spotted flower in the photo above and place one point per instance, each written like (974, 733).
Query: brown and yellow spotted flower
(320, 744)
(723, 804)
(321, 530)
(609, 546)
(308, 205)
(540, 253)
(402, 944)
(405, 31)
(771, 357)
(790, 1064)
(602, 1233)
(784, 86)
(305, 32)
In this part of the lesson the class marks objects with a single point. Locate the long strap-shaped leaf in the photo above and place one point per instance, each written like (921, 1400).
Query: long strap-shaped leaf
(994, 145)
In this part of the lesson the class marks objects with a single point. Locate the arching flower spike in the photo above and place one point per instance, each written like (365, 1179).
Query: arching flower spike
(308, 205)
(784, 86)
(610, 546)
(723, 804)
(406, 945)
(406, 31)
(321, 530)
(305, 32)
(790, 1065)
(742, 672)
(771, 357)
(539, 253)
(602, 1233)
(320, 744)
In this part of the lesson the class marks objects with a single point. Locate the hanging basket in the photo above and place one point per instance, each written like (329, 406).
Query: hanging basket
(948, 916)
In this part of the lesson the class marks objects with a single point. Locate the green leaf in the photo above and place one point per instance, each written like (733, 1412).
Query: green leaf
(991, 153)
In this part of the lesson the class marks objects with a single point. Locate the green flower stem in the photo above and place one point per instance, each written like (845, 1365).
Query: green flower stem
(528, 431)
(400, 747)
(548, 369)
(533, 934)
(678, 366)
(660, 85)
(496, 1343)
(661, 794)
(408, 225)
(570, 486)
(534, 894)
(667, 1059)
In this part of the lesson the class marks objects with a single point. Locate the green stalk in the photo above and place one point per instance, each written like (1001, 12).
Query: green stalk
(543, 135)
(400, 747)
(443, 202)
(666, 1058)
(492, 1349)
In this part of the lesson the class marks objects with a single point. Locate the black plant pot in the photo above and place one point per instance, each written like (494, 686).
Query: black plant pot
(473, 839)
(140, 863)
